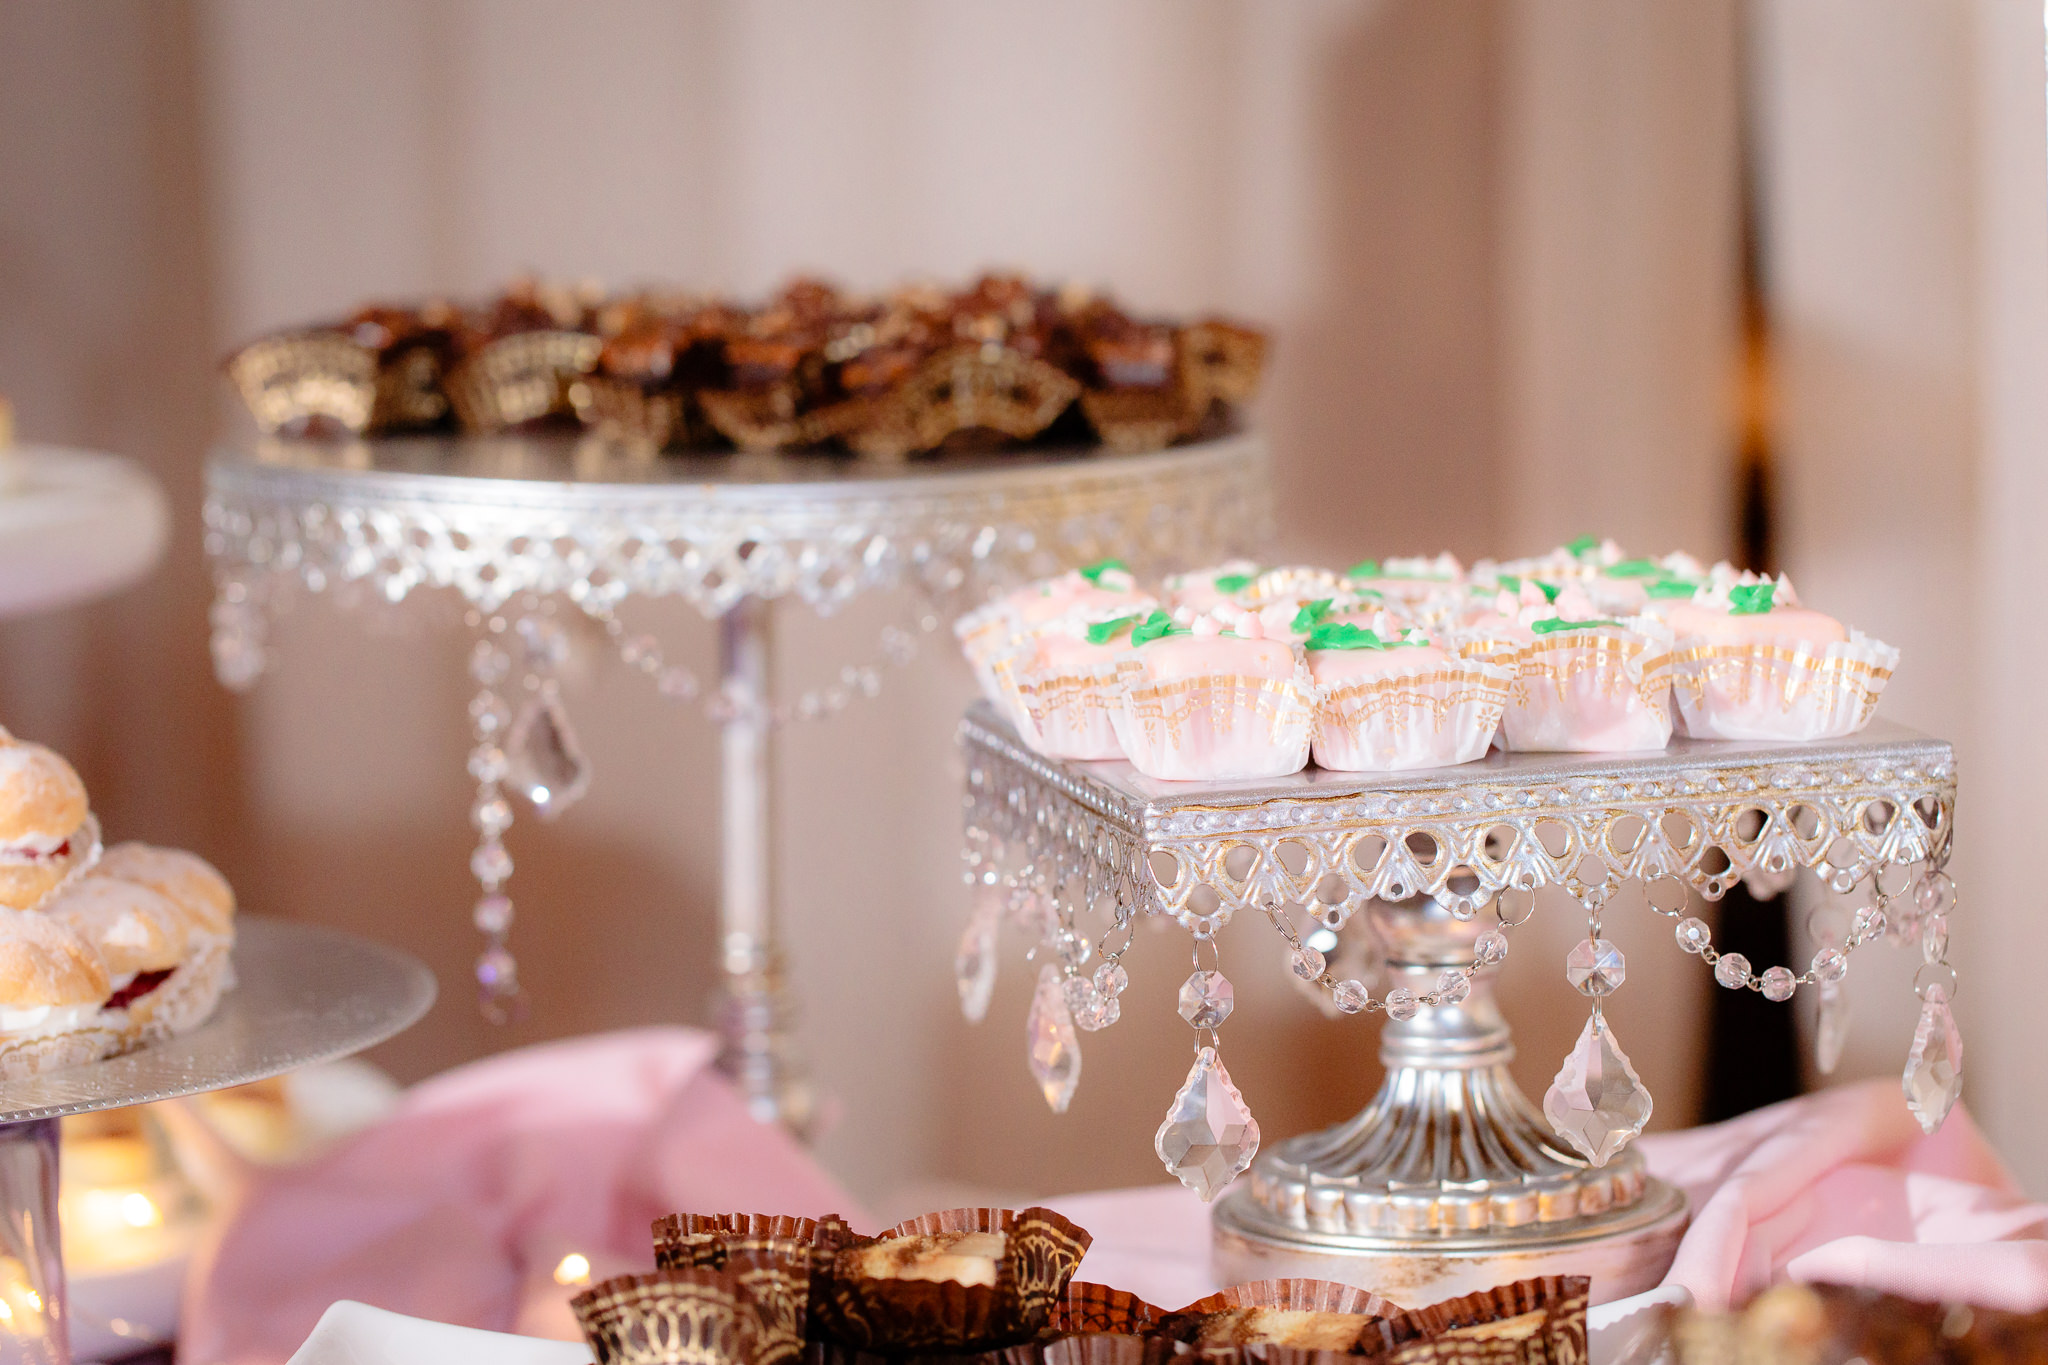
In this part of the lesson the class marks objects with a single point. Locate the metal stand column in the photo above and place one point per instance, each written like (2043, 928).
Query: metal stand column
(756, 1013)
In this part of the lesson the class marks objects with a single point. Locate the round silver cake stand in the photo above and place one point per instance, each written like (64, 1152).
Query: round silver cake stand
(503, 520)
(1450, 1180)
(301, 995)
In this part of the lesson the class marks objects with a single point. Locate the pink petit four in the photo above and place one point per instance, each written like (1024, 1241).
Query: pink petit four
(1589, 683)
(1387, 703)
(1217, 586)
(991, 631)
(1210, 697)
(1060, 688)
(1412, 580)
(1751, 663)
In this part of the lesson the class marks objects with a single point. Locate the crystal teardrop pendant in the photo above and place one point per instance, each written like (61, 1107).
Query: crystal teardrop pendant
(544, 761)
(1055, 1049)
(1209, 1135)
(1830, 1027)
(1597, 1103)
(1934, 1067)
(974, 966)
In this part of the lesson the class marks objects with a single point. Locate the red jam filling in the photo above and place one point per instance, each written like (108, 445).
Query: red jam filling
(31, 855)
(142, 985)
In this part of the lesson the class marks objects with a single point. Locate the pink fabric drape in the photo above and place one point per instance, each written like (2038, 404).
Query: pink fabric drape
(1839, 1186)
(460, 1205)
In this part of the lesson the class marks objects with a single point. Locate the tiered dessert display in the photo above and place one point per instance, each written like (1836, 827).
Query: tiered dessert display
(552, 456)
(123, 980)
(1154, 756)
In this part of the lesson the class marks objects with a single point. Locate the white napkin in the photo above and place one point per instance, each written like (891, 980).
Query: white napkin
(351, 1333)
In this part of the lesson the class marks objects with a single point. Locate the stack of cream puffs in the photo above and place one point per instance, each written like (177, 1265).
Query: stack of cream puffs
(101, 952)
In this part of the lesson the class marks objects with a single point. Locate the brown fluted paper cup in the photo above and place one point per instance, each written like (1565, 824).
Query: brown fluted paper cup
(873, 1297)
(672, 1317)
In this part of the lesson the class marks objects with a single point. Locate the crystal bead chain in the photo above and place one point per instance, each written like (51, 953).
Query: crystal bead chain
(643, 652)
(1830, 963)
(1453, 985)
(497, 973)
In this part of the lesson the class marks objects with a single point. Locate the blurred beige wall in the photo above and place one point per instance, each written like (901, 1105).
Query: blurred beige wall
(1494, 239)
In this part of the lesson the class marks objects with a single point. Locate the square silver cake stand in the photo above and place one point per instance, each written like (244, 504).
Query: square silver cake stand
(1451, 1180)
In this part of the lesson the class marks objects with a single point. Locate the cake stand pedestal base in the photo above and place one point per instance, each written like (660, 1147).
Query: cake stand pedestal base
(1626, 1252)
(1450, 1180)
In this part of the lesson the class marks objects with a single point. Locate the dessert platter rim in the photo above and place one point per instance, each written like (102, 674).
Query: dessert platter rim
(553, 473)
(1117, 791)
(78, 525)
(305, 994)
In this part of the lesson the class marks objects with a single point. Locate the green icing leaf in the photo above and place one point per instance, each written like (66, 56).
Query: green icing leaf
(1364, 568)
(1344, 635)
(1634, 568)
(1233, 582)
(1094, 572)
(1154, 626)
(1672, 587)
(1513, 583)
(1310, 614)
(1102, 632)
(1750, 599)
(1582, 546)
(1555, 624)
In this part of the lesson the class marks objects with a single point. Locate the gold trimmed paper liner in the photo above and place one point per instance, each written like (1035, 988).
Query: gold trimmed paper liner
(641, 421)
(1098, 1309)
(1219, 726)
(1065, 714)
(1530, 1322)
(409, 387)
(1486, 647)
(310, 376)
(830, 1232)
(520, 378)
(1428, 716)
(1041, 1250)
(1106, 1348)
(985, 633)
(1186, 1325)
(672, 1317)
(959, 389)
(1599, 689)
(773, 1280)
(1295, 1295)
(1781, 689)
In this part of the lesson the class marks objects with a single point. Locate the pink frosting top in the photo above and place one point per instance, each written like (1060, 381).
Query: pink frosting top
(1198, 592)
(1063, 647)
(1331, 667)
(1208, 656)
(1712, 615)
(1209, 652)
(1779, 623)
(1048, 600)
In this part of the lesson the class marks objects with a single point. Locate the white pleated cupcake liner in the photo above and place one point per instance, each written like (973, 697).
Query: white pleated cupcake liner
(1605, 689)
(1061, 712)
(1215, 727)
(1785, 689)
(1430, 716)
